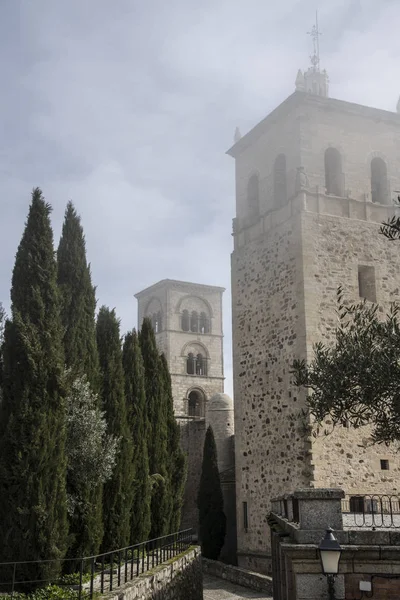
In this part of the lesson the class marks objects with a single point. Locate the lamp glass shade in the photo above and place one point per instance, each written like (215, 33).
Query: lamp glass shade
(330, 561)
(329, 552)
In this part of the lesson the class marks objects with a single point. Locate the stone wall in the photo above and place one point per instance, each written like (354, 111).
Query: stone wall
(180, 579)
(369, 555)
(286, 266)
(268, 334)
(333, 248)
(249, 579)
(192, 440)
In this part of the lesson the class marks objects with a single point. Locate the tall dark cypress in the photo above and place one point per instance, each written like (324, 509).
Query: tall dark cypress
(157, 434)
(33, 512)
(78, 300)
(136, 404)
(210, 502)
(118, 491)
(177, 468)
(78, 305)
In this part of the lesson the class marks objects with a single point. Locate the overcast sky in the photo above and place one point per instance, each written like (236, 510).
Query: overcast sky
(128, 106)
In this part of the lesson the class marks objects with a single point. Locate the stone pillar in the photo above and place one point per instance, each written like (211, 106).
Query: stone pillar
(319, 509)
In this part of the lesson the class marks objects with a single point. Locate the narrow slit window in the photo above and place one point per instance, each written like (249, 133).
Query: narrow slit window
(245, 517)
(385, 465)
(366, 283)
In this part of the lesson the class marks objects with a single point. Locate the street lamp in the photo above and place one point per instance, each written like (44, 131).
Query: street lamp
(329, 553)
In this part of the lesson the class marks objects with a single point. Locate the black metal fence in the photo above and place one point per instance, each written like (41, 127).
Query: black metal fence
(371, 510)
(100, 573)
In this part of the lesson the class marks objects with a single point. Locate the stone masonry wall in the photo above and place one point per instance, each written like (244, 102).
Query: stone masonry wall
(180, 579)
(268, 333)
(332, 249)
(192, 440)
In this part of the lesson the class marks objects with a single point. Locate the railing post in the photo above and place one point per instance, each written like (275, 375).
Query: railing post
(102, 575)
(80, 579)
(13, 580)
(92, 576)
(119, 568)
(126, 565)
(111, 570)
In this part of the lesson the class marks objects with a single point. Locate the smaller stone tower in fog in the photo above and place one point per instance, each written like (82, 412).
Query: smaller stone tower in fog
(187, 320)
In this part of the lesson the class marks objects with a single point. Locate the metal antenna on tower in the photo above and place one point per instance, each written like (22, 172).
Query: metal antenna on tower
(315, 33)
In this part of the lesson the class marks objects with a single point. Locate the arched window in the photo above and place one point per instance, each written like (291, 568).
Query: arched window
(190, 364)
(196, 404)
(204, 323)
(185, 320)
(253, 195)
(379, 187)
(194, 321)
(333, 172)
(201, 365)
(280, 189)
(158, 322)
(154, 322)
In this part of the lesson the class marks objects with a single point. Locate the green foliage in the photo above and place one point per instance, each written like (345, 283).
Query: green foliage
(210, 502)
(177, 468)
(391, 229)
(357, 378)
(91, 456)
(135, 395)
(32, 418)
(78, 300)
(157, 433)
(78, 304)
(118, 491)
(52, 592)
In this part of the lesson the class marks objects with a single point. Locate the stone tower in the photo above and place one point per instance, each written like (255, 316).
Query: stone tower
(314, 180)
(187, 319)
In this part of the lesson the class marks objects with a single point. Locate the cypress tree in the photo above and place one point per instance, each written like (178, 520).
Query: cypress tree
(117, 496)
(78, 300)
(157, 434)
(136, 405)
(210, 502)
(78, 305)
(33, 512)
(177, 468)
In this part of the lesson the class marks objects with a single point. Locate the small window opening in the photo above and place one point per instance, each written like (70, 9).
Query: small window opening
(194, 322)
(366, 283)
(379, 187)
(384, 465)
(245, 517)
(204, 323)
(185, 320)
(357, 504)
(333, 172)
(190, 364)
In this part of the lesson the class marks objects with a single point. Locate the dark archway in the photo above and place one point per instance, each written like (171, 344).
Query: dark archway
(379, 186)
(333, 172)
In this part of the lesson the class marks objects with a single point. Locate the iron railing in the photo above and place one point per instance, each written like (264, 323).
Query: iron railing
(371, 510)
(100, 573)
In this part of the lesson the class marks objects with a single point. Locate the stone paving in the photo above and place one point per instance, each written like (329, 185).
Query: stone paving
(220, 589)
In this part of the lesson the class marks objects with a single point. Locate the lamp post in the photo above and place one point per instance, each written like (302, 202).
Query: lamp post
(329, 553)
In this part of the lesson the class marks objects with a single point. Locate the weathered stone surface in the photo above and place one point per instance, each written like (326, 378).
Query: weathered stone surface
(287, 265)
(236, 575)
(180, 579)
(220, 589)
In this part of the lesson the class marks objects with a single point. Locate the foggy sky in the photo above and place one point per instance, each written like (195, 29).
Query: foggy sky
(127, 107)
